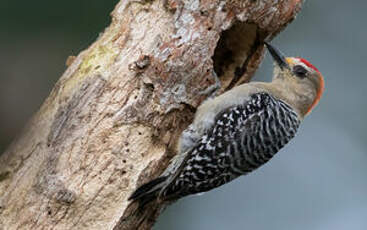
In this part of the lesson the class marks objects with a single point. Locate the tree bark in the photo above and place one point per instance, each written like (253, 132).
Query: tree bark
(113, 119)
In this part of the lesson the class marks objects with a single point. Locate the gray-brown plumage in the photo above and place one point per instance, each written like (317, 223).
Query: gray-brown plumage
(237, 132)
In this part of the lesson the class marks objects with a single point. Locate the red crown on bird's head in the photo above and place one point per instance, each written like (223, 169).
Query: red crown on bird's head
(307, 63)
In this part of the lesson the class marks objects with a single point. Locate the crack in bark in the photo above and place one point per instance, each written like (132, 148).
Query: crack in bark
(99, 105)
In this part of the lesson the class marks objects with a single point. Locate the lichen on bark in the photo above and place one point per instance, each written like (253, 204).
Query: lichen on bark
(113, 119)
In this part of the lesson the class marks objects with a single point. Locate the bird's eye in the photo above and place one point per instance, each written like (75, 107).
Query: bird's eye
(300, 71)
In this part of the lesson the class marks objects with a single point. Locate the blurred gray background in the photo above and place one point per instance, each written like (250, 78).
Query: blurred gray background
(317, 182)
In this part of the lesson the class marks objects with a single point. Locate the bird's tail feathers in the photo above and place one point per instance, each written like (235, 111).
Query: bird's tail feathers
(149, 191)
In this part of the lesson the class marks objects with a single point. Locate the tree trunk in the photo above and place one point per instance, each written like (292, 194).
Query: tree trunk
(113, 119)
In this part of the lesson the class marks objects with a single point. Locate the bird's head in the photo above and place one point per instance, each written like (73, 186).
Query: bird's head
(299, 78)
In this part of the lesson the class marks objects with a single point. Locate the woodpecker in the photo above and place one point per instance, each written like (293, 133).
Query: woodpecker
(238, 131)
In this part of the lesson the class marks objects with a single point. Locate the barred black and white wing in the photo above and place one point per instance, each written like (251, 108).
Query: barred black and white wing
(243, 138)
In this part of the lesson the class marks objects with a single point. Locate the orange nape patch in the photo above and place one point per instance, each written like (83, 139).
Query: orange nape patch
(319, 93)
(320, 90)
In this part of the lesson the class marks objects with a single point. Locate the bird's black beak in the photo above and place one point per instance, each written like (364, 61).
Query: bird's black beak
(277, 56)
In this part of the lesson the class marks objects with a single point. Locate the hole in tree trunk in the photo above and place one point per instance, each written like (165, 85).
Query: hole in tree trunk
(234, 50)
